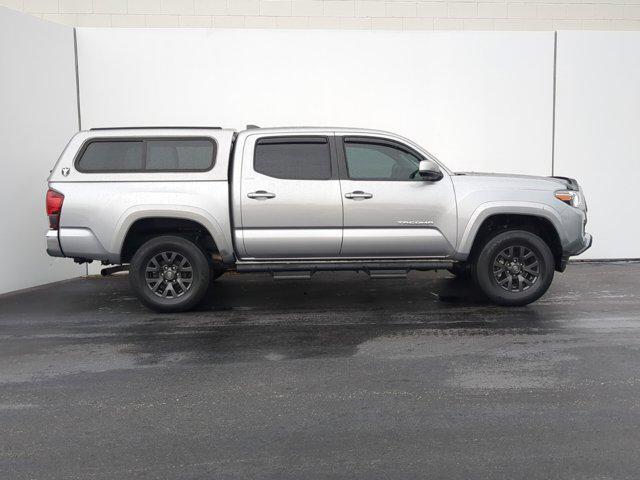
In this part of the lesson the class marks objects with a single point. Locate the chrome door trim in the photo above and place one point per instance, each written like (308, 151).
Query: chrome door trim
(261, 195)
(358, 195)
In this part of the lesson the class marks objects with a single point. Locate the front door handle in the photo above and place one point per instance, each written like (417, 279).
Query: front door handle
(358, 195)
(261, 195)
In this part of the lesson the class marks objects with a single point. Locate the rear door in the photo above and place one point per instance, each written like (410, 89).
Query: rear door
(291, 205)
(389, 210)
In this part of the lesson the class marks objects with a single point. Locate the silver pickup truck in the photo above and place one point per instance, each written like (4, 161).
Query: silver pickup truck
(180, 206)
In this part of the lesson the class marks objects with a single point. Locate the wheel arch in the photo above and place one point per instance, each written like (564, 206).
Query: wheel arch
(140, 224)
(490, 221)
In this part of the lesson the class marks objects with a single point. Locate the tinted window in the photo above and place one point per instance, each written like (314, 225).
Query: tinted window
(112, 156)
(171, 155)
(293, 158)
(175, 155)
(371, 161)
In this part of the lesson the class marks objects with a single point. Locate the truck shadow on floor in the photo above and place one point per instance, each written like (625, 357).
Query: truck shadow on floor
(257, 319)
(341, 290)
(254, 318)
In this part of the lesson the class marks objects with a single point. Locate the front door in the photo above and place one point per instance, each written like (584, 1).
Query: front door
(389, 210)
(291, 206)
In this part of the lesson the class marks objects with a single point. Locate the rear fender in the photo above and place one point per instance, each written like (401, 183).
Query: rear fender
(185, 212)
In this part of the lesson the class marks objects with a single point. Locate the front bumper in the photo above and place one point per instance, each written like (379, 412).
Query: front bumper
(53, 244)
(585, 244)
(575, 248)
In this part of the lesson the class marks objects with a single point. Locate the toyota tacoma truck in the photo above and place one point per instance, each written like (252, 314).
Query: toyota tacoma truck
(180, 206)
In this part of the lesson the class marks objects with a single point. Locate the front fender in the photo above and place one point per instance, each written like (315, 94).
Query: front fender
(186, 212)
(470, 227)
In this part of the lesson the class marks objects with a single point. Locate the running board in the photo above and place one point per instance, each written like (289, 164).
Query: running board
(391, 268)
(292, 275)
(383, 274)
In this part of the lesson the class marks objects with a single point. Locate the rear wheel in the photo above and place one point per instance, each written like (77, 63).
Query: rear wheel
(169, 274)
(514, 268)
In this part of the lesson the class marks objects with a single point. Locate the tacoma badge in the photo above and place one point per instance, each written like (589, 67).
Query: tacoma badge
(415, 222)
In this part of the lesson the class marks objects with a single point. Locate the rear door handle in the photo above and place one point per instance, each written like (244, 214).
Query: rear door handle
(358, 195)
(261, 195)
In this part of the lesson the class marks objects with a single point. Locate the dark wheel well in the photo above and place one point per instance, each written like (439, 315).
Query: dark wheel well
(144, 229)
(536, 225)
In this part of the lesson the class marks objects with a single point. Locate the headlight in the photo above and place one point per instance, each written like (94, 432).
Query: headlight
(571, 197)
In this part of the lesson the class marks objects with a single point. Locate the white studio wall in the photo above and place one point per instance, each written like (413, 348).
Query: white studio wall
(598, 133)
(39, 115)
(477, 100)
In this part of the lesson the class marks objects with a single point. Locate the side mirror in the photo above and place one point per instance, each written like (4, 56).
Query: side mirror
(430, 171)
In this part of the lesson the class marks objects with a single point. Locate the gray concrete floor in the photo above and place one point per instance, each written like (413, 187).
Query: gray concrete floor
(337, 377)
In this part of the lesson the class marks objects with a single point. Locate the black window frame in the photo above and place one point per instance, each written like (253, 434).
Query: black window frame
(297, 139)
(144, 141)
(384, 142)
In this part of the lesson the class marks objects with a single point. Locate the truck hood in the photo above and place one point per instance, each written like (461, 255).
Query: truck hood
(524, 181)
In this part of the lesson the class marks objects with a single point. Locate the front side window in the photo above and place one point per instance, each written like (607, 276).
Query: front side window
(293, 158)
(153, 155)
(369, 160)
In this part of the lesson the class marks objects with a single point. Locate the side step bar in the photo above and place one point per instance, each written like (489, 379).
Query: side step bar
(382, 274)
(384, 269)
(292, 275)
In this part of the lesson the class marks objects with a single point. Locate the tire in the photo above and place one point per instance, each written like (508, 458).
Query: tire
(178, 276)
(516, 278)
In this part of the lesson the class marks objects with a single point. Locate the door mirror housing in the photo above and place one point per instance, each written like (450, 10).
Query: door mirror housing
(430, 171)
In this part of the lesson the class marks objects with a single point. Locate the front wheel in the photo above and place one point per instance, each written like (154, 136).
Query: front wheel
(514, 268)
(169, 274)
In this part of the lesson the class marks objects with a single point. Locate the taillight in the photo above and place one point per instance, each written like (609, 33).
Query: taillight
(54, 207)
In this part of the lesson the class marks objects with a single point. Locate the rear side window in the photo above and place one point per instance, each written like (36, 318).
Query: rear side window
(112, 156)
(175, 155)
(153, 155)
(293, 158)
